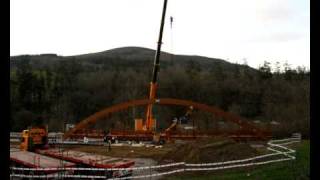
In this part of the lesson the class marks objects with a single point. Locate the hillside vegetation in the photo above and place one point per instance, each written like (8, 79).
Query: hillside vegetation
(67, 89)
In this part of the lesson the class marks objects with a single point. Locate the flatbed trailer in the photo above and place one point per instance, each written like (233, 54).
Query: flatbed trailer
(89, 160)
(26, 159)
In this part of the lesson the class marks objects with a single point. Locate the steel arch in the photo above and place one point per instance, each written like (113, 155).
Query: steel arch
(242, 122)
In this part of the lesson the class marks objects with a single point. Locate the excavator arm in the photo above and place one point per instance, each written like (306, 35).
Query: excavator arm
(175, 121)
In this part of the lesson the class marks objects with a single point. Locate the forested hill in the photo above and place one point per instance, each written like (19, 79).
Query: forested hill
(126, 57)
(67, 89)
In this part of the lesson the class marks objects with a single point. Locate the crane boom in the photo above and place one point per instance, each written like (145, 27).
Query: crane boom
(153, 85)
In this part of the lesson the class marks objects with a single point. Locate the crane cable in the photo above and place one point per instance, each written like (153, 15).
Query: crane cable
(171, 43)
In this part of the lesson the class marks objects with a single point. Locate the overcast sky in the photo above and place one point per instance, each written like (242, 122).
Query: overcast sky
(255, 30)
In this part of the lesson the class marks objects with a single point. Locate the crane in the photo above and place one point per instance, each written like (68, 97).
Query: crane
(150, 121)
(145, 130)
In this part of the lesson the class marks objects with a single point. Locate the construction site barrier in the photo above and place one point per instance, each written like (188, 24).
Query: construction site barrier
(276, 146)
(98, 169)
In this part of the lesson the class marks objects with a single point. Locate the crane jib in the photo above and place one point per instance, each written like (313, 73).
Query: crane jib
(158, 51)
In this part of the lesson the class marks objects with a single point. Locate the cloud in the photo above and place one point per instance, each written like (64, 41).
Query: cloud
(278, 37)
(275, 10)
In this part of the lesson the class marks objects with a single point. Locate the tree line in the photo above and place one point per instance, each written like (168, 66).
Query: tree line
(68, 91)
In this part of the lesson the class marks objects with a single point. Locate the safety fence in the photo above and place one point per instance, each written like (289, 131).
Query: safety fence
(278, 148)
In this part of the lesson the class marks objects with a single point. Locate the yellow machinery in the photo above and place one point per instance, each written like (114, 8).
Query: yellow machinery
(182, 120)
(34, 137)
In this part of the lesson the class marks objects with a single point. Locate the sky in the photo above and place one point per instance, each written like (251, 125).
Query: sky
(239, 31)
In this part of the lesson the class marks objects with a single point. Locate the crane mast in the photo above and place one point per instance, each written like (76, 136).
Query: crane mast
(150, 122)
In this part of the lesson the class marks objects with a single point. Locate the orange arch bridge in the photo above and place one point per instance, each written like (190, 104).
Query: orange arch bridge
(243, 123)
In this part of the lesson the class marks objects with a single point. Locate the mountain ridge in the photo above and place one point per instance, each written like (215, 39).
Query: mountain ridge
(130, 56)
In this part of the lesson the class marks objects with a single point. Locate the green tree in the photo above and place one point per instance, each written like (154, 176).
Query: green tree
(265, 70)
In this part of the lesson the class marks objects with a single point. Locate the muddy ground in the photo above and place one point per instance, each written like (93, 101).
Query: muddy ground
(197, 151)
(208, 150)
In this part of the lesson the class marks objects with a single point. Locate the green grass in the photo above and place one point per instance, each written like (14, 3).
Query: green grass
(297, 169)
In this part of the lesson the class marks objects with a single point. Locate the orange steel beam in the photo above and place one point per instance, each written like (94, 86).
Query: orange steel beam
(243, 123)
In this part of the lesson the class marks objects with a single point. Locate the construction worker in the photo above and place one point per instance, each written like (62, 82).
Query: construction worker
(109, 145)
(107, 139)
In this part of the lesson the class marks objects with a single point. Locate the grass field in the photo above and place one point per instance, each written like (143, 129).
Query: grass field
(298, 169)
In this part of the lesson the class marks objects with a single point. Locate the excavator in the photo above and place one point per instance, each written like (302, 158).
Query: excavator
(181, 120)
(34, 137)
(176, 122)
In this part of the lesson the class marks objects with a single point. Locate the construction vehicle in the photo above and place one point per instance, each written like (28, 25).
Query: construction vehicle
(178, 122)
(149, 125)
(181, 120)
(34, 137)
(150, 122)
